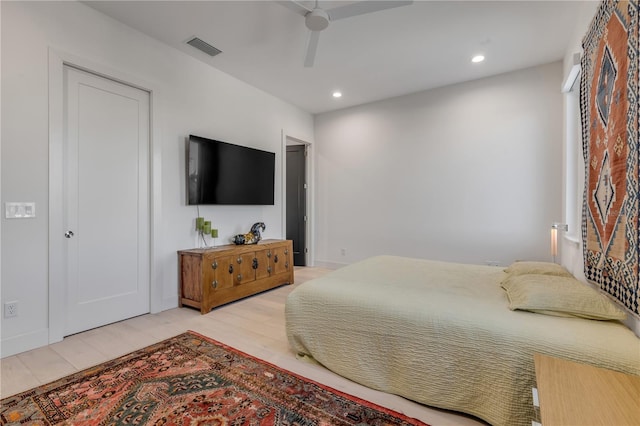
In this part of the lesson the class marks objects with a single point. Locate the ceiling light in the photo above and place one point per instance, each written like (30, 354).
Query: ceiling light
(337, 94)
(477, 58)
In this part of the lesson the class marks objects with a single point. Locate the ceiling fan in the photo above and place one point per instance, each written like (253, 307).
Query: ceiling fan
(317, 19)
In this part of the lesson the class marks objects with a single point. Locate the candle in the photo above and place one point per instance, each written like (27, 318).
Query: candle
(554, 242)
(214, 233)
(206, 228)
(199, 223)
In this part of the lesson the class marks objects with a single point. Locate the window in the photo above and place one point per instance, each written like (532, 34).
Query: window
(574, 161)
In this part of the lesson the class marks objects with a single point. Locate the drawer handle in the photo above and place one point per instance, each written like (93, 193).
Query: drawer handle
(269, 253)
(286, 251)
(254, 264)
(286, 264)
(239, 277)
(214, 284)
(214, 265)
(275, 259)
(269, 269)
(239, 260)
(231, 269)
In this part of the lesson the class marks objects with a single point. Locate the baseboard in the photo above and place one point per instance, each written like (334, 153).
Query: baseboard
(169, 303)
(24, 342)
(329, 265)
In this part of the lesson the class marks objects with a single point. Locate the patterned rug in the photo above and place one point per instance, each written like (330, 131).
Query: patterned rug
(191, 380)
(610, 109)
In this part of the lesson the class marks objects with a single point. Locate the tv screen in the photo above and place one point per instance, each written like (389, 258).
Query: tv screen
(223, 173)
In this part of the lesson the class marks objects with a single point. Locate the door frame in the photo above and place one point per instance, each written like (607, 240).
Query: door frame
(309, 170)
(57, 268)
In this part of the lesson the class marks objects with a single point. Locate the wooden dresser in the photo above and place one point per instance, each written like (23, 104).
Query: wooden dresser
(211, 277)
(571, 394)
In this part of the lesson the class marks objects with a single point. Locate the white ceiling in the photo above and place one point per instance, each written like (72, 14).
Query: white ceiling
(368, 57)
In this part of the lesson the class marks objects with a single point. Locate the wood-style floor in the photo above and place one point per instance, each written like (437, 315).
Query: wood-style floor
(255, 325)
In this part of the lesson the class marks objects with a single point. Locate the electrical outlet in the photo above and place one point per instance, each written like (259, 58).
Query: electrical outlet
(10, 309)
(343, 251)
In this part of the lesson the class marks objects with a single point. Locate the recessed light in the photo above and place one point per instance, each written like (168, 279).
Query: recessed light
(477, 58)
(337, 94)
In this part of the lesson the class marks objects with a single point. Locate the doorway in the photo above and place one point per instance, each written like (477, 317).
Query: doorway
(105, 191)
(296, 201)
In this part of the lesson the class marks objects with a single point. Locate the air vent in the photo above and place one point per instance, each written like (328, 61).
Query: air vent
(204, 46)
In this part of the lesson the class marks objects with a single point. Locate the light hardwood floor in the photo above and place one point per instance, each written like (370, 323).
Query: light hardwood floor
(254, 325)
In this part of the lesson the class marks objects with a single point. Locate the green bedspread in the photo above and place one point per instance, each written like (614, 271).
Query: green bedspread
(442, 334)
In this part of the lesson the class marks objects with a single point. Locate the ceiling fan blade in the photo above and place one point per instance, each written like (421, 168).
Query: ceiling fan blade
(362, 7)
(312, 46)
(294, 6)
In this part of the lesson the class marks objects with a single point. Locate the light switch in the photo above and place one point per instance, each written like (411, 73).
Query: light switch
(29, 209)
(19, 210)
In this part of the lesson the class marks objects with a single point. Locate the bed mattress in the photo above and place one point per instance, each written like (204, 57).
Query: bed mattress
(442, 334)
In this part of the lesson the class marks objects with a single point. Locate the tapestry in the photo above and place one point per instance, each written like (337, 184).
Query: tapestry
(191, 380)
(610, 115)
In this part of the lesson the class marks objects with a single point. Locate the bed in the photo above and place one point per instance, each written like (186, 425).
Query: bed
(443, 334)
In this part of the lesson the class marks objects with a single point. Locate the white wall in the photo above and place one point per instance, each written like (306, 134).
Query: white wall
(191, 98)
(469, 173)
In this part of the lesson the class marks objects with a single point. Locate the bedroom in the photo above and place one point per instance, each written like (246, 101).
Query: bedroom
(525, 214)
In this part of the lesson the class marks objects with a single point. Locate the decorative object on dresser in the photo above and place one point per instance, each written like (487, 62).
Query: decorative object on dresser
(251, 237)
(211, 277)
(203, 227)
(609, 92)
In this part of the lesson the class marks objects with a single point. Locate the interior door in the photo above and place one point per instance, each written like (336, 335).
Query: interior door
(297, 202)
(106, 200)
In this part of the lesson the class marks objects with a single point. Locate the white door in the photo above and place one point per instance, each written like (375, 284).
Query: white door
(106, 200)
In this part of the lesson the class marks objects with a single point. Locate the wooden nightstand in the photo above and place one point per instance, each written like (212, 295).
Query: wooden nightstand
(573, 394)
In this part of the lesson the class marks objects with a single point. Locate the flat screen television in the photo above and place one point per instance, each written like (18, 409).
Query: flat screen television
(223, 173)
